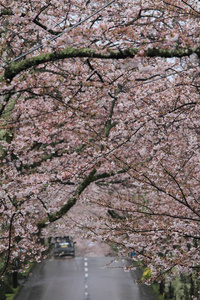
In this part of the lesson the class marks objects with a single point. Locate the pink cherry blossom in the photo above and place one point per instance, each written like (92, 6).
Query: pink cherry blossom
(100, 128)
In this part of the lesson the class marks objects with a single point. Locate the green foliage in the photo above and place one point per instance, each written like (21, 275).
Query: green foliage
(147, 273)
(156, 291)
(180, 288)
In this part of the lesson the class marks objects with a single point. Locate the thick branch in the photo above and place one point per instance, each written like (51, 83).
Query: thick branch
(72, 201)
(6, 12)
(179, 52)
(16, 67)
(92, 177)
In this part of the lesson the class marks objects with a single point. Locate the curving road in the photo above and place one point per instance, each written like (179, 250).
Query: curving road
(83, 278)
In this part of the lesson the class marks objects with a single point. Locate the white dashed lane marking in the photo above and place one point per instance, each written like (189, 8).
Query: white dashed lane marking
(86, 278)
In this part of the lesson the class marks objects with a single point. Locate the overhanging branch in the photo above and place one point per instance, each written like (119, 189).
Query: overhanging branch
(92, 177)
(17, 67)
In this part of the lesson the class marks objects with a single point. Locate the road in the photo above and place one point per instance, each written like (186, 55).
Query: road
(83, 278)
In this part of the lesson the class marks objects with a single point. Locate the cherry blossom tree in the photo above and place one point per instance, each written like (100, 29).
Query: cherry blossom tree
(100, 108)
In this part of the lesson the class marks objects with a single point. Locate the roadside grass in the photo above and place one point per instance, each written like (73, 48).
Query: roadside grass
(22, 275)
(15, 292)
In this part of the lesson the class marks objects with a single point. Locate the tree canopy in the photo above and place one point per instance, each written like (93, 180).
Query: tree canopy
(99, 107)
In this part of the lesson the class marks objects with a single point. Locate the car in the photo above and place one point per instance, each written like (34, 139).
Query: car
(64, 246)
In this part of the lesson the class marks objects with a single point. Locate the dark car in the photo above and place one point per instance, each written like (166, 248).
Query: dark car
(64, 246)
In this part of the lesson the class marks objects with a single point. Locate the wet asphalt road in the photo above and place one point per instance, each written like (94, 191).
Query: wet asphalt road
(83, 278)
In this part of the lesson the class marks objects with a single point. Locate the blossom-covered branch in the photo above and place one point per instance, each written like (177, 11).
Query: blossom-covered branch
(16, 67)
